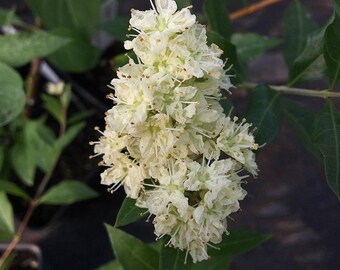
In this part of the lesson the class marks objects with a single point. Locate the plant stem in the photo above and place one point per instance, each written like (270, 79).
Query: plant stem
(31, 82)
(295, 91)
(252, 8)
(32, 206)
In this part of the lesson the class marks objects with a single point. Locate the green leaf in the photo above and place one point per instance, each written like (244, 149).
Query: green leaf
(6, 217)
(263, 112)
(332, 50)
(173, 259)
(131, 252)
(237, 242)
(302, 119)
(77, 56)
(67, 192)
(118, 28)
(327, 138)
(79, 116)
(129, 213)
(336, 4)
(8, 17)
(66, 96)
(183, 3)
(72, 14)
(249, 46)
(214, 263)
(297, 25)
(20, 48)
(13, 189)
(69, 135)
(217, 14)
(12, 96)
(8, 262)
(113, 265)
(23, 154)
(229, 54)
(310, 64)
(54, 107)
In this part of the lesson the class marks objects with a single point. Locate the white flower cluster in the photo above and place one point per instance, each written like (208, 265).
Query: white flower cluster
(164, 137)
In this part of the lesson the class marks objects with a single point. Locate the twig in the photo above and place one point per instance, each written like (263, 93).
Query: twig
(252, 8)
(31, 82)
(295, 91)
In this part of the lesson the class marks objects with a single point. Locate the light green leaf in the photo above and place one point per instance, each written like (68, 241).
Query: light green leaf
(129, 213)
(249, 46)
(67, 192)
(173, 259)
(297, 25)
(332, 50)
(113, 265)
(302, 119)
(6, 217)
(131, 252)
(13, 189)
(8, 17)
(66, 96)
(217, 14)
(118, 28)
(327, 138)
(263, 112)
(54, 107)
(237, 242)
(12, 96)
(76, 15)
(310, 64)
(183, 3)
(77, 56)
(19, 49)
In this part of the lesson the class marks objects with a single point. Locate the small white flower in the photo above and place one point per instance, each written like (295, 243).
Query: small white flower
(55, 89)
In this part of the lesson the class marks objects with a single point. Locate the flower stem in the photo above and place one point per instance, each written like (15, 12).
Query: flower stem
(295, 91)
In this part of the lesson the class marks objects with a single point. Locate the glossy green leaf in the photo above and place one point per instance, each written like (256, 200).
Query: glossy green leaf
(327, 138)
(20, 48)
(129, 213)
(310, 64)
(302, 119)
(8, 17)
(67, 192)
(183, 3)
(77, 56)
(217, 14)
(332, 50)
(297, 25)
(13, 189)
(131, 252)
(80, 16)
(238, 241)
(249, 46)
(173, 259)
(6, 217)
(113, 265)
(12, 96)
(66, 96)
(263, 112)
(118, 28)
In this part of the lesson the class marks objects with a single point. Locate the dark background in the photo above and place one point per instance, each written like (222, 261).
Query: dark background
(289, 200)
